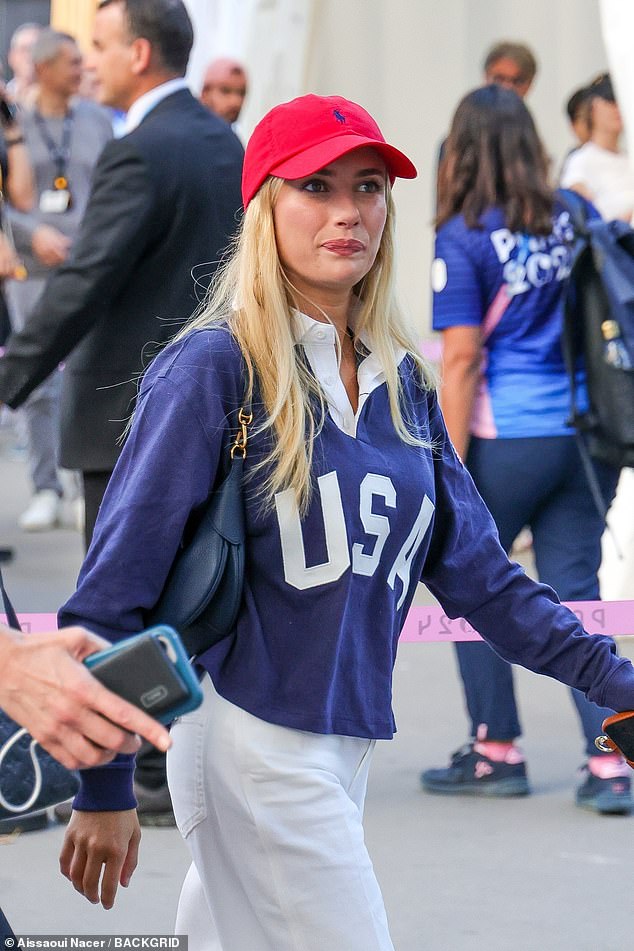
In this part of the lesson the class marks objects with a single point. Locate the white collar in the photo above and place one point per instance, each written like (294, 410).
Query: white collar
(318, 339)
(149, 100)
(307, 327)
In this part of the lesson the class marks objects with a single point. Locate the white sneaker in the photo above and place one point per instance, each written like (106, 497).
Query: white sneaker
(72, 513)
(42, 513)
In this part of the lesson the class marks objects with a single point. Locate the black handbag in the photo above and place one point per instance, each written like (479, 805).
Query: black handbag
(202, 594)
(30, 778)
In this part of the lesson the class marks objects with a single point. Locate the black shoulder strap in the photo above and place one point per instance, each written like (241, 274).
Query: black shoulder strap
(578, 211)
(576, 208)
(12, 617)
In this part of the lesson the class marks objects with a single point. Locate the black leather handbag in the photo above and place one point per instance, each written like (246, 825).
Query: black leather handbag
(30, 778)
(203, 590)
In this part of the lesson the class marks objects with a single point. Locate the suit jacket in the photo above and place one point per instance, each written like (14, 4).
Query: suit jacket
(165, 198)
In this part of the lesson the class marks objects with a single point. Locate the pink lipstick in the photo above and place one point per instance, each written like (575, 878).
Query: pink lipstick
(344, 246)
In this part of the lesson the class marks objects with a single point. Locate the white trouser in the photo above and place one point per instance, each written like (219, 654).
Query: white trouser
(273, 820)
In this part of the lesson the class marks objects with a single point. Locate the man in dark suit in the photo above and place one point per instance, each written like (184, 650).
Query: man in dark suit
(165, 198)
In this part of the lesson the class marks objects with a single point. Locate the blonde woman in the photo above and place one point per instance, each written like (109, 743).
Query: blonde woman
(353, 494)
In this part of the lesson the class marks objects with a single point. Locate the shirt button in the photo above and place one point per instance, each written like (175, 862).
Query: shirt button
(320, 334)
(329, 380)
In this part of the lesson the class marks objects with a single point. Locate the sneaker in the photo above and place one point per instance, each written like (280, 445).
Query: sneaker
(473, 774)
(28, 823)
(154, 807)
(72, 514)
(606, 796)
(42, 513)
(72, 509)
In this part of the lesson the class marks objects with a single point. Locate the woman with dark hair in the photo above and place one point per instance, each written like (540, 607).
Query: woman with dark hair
(503, 251)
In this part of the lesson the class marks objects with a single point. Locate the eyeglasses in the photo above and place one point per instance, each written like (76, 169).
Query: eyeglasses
(501, 79)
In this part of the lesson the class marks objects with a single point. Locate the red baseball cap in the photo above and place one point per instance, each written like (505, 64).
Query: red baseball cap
(299, 137)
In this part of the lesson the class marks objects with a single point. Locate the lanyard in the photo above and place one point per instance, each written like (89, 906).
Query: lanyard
(60, 154)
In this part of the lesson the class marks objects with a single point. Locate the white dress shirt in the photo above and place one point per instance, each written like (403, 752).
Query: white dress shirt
(145, 103)
(319, 342)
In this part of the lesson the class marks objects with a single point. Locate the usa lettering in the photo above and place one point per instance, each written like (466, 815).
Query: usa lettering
(363, 555)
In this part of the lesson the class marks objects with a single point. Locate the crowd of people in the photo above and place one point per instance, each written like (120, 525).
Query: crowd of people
(355, 488)
(131, 260)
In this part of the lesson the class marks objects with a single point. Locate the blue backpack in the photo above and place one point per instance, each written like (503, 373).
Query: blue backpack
(598, 328)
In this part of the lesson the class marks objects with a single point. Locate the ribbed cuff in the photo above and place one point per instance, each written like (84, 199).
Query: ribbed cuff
(107, 788)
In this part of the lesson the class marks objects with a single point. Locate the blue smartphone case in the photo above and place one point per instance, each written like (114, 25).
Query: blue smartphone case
(150, 670)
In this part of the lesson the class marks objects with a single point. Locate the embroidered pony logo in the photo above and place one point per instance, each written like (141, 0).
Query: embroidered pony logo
(339, 116)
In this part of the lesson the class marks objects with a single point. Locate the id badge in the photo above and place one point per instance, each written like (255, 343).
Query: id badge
(54, 200)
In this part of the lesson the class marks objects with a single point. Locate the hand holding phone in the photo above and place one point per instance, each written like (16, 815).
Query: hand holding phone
(151, 671)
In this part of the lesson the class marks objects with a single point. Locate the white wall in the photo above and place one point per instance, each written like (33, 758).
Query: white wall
(408, 62)
(221, 28)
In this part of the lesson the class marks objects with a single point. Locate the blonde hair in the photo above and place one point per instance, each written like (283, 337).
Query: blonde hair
(251, 295)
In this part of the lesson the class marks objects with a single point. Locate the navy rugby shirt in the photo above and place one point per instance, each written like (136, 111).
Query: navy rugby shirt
(325, 596)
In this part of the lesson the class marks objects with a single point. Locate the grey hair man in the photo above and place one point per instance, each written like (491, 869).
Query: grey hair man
(64, 139)
(512, 65)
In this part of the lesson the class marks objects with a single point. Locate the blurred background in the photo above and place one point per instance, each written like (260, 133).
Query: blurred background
(407, 61)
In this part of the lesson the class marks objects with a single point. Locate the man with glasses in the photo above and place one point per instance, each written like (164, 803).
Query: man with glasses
(507, 64)
(511, 65)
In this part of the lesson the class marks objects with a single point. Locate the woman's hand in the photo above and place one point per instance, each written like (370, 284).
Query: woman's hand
(96, 842)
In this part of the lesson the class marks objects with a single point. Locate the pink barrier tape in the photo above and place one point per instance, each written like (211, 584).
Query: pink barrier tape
(598, 617)
(432, 624)
(431, 349)
(35, 623)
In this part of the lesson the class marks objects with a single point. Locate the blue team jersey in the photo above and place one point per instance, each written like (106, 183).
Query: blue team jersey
(325, 593)
(510, 284)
